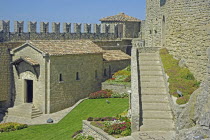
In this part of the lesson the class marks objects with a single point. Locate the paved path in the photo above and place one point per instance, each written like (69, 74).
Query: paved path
(43, 118)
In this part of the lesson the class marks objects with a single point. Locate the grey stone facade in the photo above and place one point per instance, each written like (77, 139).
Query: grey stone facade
(59, 81)
(182, 28)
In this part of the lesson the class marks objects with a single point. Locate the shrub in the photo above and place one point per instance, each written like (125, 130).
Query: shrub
(127, 79)
(117, 128)
(116, 95)
(90, 119)
(11, 126)
(127, 132)
(183, 100)
(101, 94)
(83, 137)
(76, 133)
(97, 119)
(98, 124)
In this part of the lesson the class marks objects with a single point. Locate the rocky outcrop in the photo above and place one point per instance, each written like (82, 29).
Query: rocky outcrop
(194, 121)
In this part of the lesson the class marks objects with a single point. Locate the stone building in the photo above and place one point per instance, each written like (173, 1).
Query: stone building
(127, 26)
(53, 75)
(114, 60)
(45, 76)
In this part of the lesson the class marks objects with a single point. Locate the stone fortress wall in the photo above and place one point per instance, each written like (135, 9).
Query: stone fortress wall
(70, 31)
(183, 27)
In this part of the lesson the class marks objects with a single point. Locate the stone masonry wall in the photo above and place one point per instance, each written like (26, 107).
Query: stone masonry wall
(69, 90)
(186, 33)
(182, 27)
(6, 77)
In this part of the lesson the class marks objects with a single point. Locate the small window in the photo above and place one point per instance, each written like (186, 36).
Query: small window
(155, 31)
(150, 31)
(96, 74)
(60, 78)
(77, 76)
(105, 72)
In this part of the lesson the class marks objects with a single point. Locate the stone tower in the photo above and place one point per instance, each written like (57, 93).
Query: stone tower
(155, 23)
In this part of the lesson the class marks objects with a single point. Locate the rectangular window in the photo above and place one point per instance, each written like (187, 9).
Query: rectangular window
(60, 78)
(96, 74)
(77, 76)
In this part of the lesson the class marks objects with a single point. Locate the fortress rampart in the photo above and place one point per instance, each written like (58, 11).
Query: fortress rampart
(183, 28)
(70, 31)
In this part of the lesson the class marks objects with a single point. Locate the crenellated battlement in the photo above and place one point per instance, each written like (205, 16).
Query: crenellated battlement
(68, 31)
(56, 27)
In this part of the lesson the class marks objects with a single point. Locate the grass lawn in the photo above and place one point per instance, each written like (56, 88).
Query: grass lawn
(72, 122)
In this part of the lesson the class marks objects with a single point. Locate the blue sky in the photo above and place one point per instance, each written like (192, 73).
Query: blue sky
(81, 11)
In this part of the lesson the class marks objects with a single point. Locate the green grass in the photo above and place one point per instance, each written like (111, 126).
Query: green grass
(179, 78)
(72, 122)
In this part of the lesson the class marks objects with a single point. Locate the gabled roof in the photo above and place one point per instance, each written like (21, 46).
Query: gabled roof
(26, 59)
(61, 47)
(114, 55)
(120, 17)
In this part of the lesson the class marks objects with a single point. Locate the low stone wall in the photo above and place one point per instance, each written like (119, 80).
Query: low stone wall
(95, 132)
(116, 88)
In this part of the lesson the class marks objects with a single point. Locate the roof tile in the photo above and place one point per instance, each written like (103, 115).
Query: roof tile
(120, 17)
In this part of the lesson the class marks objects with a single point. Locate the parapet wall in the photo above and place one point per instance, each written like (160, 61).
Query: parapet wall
(70, 31)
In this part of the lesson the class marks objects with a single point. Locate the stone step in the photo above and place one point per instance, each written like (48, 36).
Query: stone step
(149, 54)
(154, 135)
(149, 58)
(150, 68)
(157, 115)
(155, 78)
(149, 63)
(155, 107)
(35, 116)
(153, 85)
(154, 99)
(151, 73)
(157, 125)
(153, 91)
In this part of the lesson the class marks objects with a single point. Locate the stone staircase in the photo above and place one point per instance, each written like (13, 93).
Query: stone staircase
(25, 110)
(156, 112)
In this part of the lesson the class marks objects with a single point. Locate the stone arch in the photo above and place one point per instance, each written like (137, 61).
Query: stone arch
(163, 30)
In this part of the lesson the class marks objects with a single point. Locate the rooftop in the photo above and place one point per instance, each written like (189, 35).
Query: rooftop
(120, 17)
(114, 55)
(59, 47)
